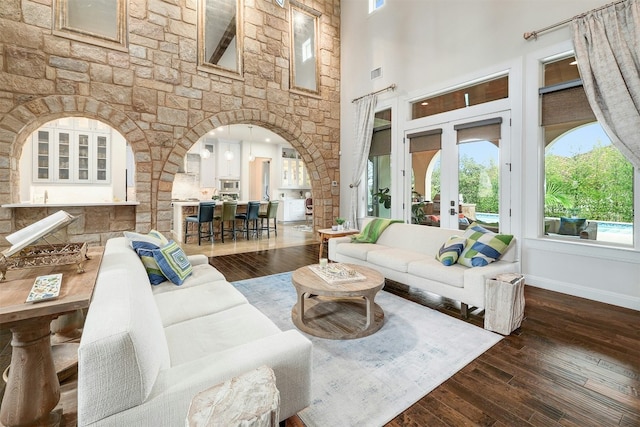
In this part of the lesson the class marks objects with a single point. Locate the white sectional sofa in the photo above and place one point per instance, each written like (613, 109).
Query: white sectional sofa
(147, 350)
(406, 253)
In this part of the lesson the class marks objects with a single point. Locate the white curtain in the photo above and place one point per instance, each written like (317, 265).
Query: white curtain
(607, 44)
(365, 113)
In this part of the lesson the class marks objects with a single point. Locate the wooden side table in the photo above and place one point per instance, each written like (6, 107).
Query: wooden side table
(33, 390)
(248, 400)
(326, 233)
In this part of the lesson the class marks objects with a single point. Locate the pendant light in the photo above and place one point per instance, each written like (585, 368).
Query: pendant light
(251, 156)
(228, 154)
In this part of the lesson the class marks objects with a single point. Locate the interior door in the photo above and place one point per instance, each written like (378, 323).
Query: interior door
(460, 172)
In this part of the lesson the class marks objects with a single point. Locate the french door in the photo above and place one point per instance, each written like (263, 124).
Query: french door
(458, 171)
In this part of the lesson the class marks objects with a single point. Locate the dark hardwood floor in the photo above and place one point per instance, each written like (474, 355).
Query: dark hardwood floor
(574, 362)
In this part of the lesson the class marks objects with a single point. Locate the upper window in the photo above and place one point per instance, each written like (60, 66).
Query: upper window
(588, 184)
(220, 36)
(97, 22)
(375, 5)
(304, 47)
(479, 93)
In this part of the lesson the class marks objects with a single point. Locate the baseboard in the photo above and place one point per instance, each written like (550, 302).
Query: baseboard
(599, 295)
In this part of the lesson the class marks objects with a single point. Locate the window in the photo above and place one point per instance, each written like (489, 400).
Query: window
(379, 167)
(101, 22)
(588, 184)
(220, 36)
(478, 93)
(304, 47)
(375, 5)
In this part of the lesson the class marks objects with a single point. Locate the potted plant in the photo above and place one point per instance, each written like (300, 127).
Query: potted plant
(340, 221)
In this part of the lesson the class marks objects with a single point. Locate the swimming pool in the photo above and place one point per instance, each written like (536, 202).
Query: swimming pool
(623, 228)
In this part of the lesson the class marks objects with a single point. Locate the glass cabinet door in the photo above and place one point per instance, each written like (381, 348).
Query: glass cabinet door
(63, 156)
(83, 157)
(43, 155)
(101, 159)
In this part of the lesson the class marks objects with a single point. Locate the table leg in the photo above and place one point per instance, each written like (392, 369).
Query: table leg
(371, 310)
(322, 240)
(32, 389)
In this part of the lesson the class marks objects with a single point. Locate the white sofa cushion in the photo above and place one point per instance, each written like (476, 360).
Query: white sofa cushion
(202, 336)
(197, 301)
(394, 258)
(430, 268)
(359, 250)
(200, 275)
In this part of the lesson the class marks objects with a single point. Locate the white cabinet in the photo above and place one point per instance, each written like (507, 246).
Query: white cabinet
(75, 153)
(291, 210)
(228, 156)
(294, 172)
(208, 165)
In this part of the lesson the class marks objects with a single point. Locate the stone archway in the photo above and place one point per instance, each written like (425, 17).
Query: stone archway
(312, 156)
(18, 124)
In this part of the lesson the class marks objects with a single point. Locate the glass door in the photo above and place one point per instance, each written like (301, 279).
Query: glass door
(459, 173)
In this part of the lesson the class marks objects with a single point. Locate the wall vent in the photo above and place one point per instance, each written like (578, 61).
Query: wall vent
(376, 73)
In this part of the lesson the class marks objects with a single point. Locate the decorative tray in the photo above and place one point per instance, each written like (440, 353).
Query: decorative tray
(337, 273)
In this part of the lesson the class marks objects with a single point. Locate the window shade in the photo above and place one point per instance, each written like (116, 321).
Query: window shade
(381, 142)
(430, 140)
(482, 130)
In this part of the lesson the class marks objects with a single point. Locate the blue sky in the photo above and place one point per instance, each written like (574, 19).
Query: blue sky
(579, 141)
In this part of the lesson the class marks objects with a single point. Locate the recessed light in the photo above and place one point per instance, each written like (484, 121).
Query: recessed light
(267, 139)
(424, 103)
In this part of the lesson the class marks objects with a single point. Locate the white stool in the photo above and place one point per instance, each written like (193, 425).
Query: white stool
(250, 399)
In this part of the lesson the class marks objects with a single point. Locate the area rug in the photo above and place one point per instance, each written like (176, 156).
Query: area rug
(368, 381)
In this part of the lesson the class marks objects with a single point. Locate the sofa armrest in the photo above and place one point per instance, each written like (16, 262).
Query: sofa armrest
(287, 353)
(333, 243)
(198, 259)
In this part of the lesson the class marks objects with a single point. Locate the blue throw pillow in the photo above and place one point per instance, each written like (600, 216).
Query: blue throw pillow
(145, 252)
(173, 262)
(572, 226)
(450, 250)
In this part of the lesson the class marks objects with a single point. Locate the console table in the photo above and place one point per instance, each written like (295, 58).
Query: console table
(33, 390)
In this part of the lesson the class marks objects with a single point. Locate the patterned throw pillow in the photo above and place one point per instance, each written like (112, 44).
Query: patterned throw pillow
(450, 250)
(483, 246)
(572, 226)
(173, 262)
(145, 252)
(154, 237)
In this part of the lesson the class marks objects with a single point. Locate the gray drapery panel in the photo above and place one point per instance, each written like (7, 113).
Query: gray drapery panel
(607, 44)
(365, 113)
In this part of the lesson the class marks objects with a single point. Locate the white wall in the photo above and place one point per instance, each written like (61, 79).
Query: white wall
(426, 46)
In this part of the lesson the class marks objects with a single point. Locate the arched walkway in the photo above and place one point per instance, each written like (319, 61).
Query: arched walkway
(17, 125)
(315, 162)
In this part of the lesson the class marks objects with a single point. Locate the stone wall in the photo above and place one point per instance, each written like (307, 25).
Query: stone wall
(154, 95)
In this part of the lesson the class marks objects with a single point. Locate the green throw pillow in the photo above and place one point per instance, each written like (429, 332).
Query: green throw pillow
(483, 246)
(450, 250)
(173, 262)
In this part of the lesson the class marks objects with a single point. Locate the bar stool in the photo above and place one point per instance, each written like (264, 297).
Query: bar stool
(204, 216)
(250, 218)
(272, 210)
(229, 209)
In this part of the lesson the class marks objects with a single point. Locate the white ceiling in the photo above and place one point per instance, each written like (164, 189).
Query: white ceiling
(243, 133)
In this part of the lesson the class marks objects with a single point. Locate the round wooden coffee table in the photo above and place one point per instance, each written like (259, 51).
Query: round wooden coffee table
(342, 310)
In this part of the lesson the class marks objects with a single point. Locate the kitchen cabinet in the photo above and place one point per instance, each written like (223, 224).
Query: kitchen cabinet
(294, 171)
(71, 154)
(292, 210)
(228, 167)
